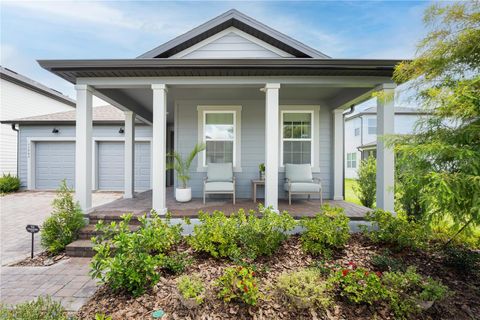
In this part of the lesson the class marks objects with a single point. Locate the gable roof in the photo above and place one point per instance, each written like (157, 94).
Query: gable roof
(234, 18)
(21, 80)
(102, 114)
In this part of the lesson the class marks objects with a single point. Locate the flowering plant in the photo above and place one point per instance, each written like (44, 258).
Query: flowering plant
(359, 285)
(238, 283)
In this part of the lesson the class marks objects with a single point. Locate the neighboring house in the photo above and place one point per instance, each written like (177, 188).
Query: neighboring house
(47, 150)
(23, 97)
(361, 134)
(251, 93)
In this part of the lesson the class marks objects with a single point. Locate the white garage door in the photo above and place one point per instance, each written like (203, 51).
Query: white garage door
(111, 165)
(54, 161)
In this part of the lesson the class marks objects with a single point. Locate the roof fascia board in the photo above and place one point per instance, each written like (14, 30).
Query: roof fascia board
(223, 33)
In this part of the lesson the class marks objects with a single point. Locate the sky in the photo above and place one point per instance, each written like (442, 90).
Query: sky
(32, 30)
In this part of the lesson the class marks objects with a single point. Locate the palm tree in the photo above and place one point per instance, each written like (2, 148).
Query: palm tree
(182, 166)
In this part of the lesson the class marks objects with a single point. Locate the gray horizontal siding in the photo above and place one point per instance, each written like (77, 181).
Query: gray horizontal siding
(65, 131)
(252, 142)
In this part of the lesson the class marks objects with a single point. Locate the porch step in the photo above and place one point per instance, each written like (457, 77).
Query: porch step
(88, 232)
(80, 248)
(110, 216)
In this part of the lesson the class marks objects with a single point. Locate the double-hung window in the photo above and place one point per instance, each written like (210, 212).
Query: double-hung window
(219, 137)
(357, 131)
(372, 126)
(351, 160)
(297, 144)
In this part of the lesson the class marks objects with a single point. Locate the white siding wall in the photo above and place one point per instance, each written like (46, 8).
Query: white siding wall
(352, 142)
(404, 124)
(19, 102)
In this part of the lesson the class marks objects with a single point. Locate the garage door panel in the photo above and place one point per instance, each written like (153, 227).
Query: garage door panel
(111, 165)
(54, 161)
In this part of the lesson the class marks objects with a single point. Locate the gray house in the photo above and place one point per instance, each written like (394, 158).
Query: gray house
(241, 87)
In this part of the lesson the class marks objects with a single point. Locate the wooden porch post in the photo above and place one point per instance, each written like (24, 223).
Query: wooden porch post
(271, 144)
(159, 142)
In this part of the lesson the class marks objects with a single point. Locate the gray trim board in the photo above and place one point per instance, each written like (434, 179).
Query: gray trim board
(240, 21)
(70, 70)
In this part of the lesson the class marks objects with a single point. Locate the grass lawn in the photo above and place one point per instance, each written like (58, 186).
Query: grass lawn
(350, 195)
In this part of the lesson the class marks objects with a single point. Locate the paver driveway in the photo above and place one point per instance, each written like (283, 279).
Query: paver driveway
(19, 209)
(67, 281)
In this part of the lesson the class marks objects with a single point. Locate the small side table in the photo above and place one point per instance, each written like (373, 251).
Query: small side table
(255, 183)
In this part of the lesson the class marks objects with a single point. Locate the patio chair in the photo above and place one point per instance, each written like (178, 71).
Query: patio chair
(219, 180)
(299, 180)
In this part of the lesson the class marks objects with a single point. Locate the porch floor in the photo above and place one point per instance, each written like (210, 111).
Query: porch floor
(142, 202)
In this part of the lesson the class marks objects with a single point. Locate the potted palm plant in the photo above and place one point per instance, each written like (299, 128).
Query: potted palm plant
(183, 193)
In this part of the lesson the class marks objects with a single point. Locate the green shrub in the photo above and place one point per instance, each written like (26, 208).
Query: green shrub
(327, 231)
(407, 290)
(359, 285)
(366, 186)
(129, 261)
(42, 308)
(9, 183)
(241, 235)
(176, 263)
(395, 230)
(385, 262)
(461, 258)
(191, 288)
(304, 288)
(63, 225)
(102, 316)
(238, 283)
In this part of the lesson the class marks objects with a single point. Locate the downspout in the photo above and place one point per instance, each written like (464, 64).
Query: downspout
(352, 109)
(18, 144)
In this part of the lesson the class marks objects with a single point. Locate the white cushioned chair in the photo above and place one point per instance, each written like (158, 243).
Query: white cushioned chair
(219, 180)
(299, 180)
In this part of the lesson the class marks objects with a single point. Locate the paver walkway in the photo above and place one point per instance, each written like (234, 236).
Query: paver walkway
(67, 281)
(22, 208)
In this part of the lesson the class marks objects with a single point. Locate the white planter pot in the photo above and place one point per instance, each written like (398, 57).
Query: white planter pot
(183, 195)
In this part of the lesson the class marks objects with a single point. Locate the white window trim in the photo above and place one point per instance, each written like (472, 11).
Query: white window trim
(31, 146)
(355, 132)
(237, 116)
(351, 160)
(314, 110)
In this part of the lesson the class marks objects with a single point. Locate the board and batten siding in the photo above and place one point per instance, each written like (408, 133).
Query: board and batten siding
(65, 132)
(252, 143)
(19, 102)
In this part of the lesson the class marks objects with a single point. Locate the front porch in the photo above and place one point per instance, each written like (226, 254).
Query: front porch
(142, 202)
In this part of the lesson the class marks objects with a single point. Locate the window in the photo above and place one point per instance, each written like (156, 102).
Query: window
(357, 131)
(372, 126)
(351, 160)
(219, 136)
(297, 137)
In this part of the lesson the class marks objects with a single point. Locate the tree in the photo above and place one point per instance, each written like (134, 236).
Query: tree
(366, 186)
(445, 73)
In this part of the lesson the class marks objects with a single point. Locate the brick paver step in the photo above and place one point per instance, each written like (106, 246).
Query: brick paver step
(80, 248)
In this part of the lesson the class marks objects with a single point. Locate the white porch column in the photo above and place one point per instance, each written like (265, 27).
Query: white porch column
(338, 161)
(271, 145)
(83, 147)
(385, 156)
(129, 154)
(159, 148)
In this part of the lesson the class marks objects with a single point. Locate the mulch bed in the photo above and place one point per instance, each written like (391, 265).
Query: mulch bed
(463, 304)
(43, 259)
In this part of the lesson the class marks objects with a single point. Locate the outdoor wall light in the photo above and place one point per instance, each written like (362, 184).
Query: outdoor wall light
(121, 130)
(55, 130)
